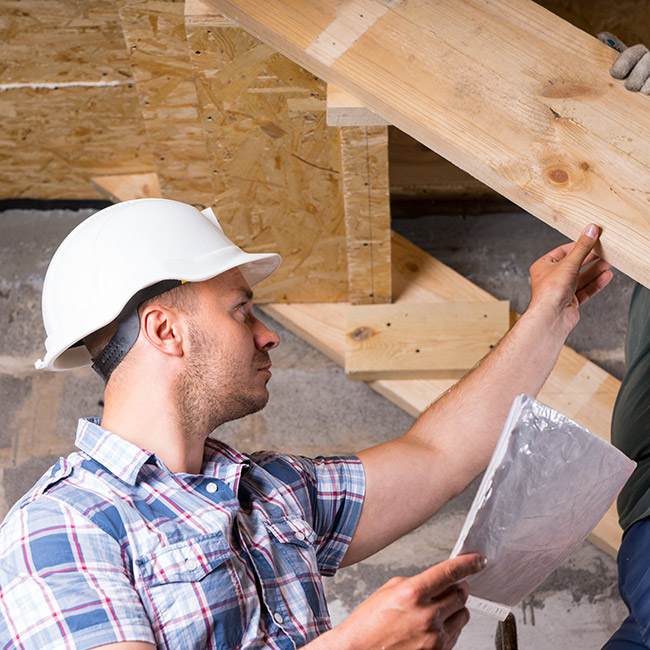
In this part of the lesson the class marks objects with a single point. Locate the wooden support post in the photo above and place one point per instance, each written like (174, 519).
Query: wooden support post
(524, 103)
(366, 196)
(364, 162)
(422, 341)
(577, 388)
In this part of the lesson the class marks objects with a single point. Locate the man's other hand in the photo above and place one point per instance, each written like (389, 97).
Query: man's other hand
(632, 64)
(425, 612)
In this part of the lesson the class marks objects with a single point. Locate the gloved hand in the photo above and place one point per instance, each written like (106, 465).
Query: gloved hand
(633, 63)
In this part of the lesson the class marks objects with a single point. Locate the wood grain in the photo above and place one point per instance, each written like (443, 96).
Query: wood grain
(509, 92)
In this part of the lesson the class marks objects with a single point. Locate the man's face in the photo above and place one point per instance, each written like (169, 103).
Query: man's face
(227, 364)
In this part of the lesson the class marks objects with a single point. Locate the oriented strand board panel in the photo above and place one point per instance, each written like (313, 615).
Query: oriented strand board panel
(576, 387)
(364, 162)
(509, 92)
(274, 163)
(420, 340)
(155, 36)
(68, 104)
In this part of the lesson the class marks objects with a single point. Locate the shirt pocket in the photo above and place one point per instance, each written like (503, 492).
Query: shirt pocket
(192, 593)
(292, 546)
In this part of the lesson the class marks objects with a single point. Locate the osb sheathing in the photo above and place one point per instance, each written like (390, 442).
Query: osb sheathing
(155, 37)
(67, 101)
(275, 165)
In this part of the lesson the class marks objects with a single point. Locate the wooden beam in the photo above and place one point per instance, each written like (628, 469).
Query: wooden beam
(514, 95)
(577, 388)
(364, 163)
(421, 341)
(344, 109)
(124, 187)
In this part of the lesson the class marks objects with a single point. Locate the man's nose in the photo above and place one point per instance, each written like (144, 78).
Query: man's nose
(265, 339)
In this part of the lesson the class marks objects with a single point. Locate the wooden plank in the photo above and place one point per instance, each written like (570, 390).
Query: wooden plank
(364, 161)
(421, 341)
(524, 102)
(124, 187)
(155, 37)
(344, 109)
(576, 387)
(274, 162)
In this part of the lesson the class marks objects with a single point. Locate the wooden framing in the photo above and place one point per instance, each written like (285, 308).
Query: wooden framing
(576, 387)
(506, 90)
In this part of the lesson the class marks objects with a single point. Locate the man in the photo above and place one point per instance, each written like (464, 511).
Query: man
(154, 534)
(630, 435)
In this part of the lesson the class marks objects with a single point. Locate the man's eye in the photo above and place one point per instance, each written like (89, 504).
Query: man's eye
(242, 309)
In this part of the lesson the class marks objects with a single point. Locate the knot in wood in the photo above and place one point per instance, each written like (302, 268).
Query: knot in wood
(361, 333)
(557, 175)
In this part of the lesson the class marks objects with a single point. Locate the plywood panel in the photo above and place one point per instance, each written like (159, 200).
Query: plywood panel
(274, 163)
(67, 102)
(576, 387)
(504, 89)
(421, 341)
(155, 37)
(364, 161)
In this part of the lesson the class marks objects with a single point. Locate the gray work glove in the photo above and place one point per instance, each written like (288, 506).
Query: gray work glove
(633, 63)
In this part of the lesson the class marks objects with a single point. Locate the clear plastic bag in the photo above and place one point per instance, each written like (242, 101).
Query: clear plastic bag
(549, 482)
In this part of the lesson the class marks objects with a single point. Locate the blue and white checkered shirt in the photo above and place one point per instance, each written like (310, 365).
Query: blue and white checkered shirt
(111, 546)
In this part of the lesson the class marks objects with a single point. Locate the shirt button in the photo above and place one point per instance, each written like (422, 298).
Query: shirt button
(300, 537)
(191, 564)
(278, 618)
(212, 488)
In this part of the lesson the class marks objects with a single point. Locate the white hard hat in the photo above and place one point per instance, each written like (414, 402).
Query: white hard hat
(120, 251)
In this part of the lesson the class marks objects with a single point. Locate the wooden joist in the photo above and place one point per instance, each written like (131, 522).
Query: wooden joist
(344, 109)
(421, 341)
(124, 187)
(578, 388)
(509, 92)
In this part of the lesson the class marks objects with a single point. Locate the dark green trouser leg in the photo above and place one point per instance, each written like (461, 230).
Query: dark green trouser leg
(631, 418)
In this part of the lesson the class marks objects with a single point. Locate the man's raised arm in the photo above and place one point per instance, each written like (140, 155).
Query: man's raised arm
(408, 479)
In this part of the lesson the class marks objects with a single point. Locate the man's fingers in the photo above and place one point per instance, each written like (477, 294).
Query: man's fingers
(639, 74)
(627, 60)
(591, 273)
(435, 580)
(583, 246)
(596, 285)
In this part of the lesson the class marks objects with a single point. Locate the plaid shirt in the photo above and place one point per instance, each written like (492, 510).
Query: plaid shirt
(111, 546)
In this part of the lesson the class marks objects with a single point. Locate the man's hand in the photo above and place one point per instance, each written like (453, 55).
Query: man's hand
(566, 278)
(633, 63)
(424, 612)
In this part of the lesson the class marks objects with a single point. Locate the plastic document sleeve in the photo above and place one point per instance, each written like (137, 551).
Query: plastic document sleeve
(549, 482)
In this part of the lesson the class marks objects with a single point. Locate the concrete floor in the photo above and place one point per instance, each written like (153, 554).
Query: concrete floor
(314, 410)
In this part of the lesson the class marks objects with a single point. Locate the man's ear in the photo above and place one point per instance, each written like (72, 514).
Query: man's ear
(163, 329)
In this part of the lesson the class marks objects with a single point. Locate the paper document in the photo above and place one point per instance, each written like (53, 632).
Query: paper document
(549, 482)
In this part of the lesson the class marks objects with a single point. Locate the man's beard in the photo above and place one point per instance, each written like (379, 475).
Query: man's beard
(204, 399)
